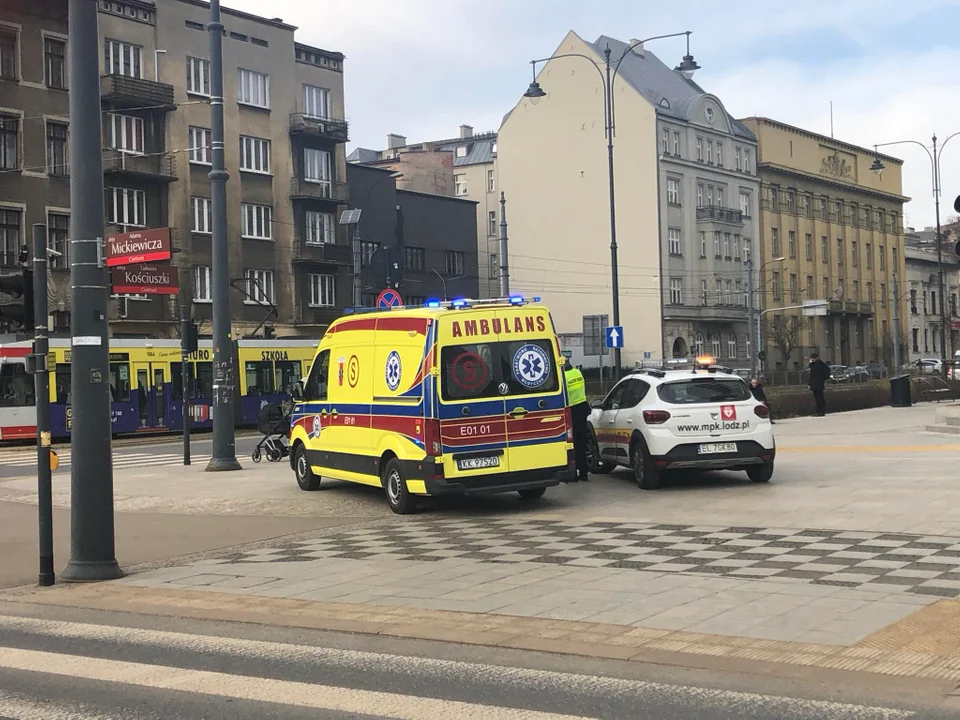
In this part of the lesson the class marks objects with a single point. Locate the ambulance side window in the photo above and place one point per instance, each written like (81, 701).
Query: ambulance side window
(316, 388)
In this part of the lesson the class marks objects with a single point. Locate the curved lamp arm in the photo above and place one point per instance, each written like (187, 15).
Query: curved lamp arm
(603, 83)
(933, 163)
(940, 155)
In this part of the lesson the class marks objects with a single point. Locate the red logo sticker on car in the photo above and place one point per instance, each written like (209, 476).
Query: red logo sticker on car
(728, 412)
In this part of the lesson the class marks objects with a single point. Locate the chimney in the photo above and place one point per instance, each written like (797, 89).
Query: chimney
(466, 131)
(638, 50)
(395, 141)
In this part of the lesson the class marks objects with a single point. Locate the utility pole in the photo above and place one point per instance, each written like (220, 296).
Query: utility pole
(504, 257)
(224, 373)
(92, 539)
(943, 307)
(896, 325)
(750, 318)
(614, 268)
(187, 345)
(41, 383)
(357, 278)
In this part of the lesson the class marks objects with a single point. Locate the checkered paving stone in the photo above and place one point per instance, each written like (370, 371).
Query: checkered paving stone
(900, 563)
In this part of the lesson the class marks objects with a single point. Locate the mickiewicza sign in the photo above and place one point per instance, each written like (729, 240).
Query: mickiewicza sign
(146, 280)
(140, 246)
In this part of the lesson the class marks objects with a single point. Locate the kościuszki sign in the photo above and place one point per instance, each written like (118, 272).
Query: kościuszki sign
(146, 280)
(140, 246)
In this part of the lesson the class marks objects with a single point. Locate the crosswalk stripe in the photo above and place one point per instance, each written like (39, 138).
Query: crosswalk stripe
(118, 460)
(258, 689)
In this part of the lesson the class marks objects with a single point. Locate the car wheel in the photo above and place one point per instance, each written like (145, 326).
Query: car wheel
(594, 463)
(760, 473)
(644, 471)
(399, 498)
(532, 493)
(306, 479)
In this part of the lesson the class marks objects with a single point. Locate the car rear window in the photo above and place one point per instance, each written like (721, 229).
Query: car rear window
(498, 369)
(701, 390)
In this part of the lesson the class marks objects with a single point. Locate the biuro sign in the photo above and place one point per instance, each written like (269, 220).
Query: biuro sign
(146, 280)
(141, 246)
(498, 326)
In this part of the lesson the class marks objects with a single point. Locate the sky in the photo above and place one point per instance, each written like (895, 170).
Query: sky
(421, 68)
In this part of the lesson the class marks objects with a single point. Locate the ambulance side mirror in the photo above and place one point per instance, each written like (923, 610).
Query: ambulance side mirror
(296, 392)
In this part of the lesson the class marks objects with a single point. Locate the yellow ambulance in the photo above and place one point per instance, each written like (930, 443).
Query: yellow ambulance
(461, 397)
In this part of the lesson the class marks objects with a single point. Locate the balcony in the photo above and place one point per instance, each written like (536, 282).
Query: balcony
(134, 92)
(324, 253)
(306, 190)
(866, 308)
(324, 128)
(712, 213)
(156, 166)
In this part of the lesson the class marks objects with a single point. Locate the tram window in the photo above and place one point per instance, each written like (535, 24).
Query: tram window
(120, 382)
(16, 387)
(288, 372)
(204, 380)
(259, 378)
(63, 384)
(176, 379)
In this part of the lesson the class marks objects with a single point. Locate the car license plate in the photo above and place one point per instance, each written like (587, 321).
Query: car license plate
(715, 448)
(478, 463)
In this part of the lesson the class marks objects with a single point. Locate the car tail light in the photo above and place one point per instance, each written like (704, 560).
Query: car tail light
(655, 417)
(431, 438)
(568, 422)
(761, 411)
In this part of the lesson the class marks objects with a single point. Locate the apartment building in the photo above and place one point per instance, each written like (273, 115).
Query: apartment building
(464, 167)
(686, 194)
(921, 293)
(830, 229)
(285, 137)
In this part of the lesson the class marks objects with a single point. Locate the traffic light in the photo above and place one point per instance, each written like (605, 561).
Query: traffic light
(268, 332)
(188, 335)
(18, 315)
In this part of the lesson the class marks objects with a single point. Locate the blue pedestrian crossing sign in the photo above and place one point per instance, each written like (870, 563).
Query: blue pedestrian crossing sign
(614, 336)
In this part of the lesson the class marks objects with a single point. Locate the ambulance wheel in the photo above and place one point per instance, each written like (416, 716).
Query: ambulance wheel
(645, 472)
(532, 493)
(594, 463)
(301, 468)
(399, 498)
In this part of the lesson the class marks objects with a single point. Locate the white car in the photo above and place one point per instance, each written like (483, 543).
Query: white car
(703, 418)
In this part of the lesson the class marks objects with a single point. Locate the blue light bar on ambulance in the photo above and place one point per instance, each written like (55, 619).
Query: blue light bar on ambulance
(459, 303)
(432, 303)
(517, 300)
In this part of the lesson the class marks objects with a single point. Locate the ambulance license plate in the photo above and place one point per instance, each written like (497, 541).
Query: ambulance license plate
(478, 463)
(715, 448)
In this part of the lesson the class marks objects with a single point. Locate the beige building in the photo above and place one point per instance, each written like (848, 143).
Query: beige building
(839, 228)
(464, 167)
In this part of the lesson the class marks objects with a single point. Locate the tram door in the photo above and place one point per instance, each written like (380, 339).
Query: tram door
(151, 398)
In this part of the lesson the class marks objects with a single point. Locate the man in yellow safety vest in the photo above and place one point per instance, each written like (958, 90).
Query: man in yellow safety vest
(580, 410)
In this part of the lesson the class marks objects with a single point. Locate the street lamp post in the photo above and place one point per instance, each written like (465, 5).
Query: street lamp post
(751, 310)
(934, 157)
(608, 76)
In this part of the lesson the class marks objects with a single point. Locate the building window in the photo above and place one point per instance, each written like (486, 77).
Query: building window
(824, 250)
(254, 154)
(491, 182)
(414, 258)
(745, 204)
(55, 63)
(460, 184)
(9, 142)
(840, 251)
(809, 288)
(794, 290)
(716, 245)
(726, 245)
(676, 291)
(869, 252)
(673, 191)
(746, 161)
(926, 340)
(792, 243)
(461, 151)
(126, 207)
(256, 221)
(916, 340)
(709, 195)
(202, 209)
(913, 302)
(895, 258)
(316, 166)
(740, 297)
(58, 230)
(323, 290)
(198, 76)
(664, 141)
(870, 292)
(699, 149)
(854, 254)
(202, 285)
(57, 157)
(698, 344)
(738, 159)
(8, 55)
(883, 257)
(367, 251)
(730, 299)
(826, 288)
(676, 144)
(775, 286)
(719, 283)
(9, 237)
(492, 226)
(710, 152)
(494, 269)
(720, 202)
(775, 241)
(199, 146)
(699, 195)
(454, 262)
(808, 247)
(736, 247)
(260, 287)
(715, 345)
(319, 228)
(316, 102)
(120, 58)
(673, 235)
(732, 347)
(126, 133)
(720, 154)
(253, 88)
(703, 292)
(746, 248)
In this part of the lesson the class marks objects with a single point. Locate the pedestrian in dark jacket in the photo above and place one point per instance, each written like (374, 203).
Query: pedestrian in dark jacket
(819, 374)
(756, 389)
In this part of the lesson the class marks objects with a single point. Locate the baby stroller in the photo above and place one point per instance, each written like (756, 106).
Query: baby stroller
(274, 423)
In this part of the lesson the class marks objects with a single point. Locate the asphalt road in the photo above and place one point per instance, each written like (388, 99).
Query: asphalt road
(56, 663)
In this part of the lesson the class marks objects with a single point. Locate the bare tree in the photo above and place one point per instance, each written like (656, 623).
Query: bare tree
(785, 334)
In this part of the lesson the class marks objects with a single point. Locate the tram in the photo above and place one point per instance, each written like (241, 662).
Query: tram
(146, 385)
